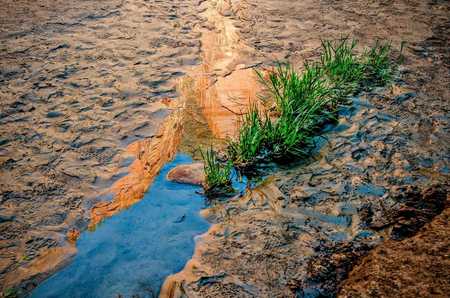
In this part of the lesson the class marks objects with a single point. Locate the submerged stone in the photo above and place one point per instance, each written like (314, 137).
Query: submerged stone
(188, 174)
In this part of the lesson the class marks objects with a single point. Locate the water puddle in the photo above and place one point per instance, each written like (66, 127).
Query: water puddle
(132, 253)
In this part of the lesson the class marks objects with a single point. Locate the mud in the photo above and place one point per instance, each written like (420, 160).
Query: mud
(373, 179)
(84, 88)
(87, 121)
(414, 267)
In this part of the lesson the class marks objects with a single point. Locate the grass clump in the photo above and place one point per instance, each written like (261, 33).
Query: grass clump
(299, 102)
(217, 173)
(304, 101)
(291, 90)
(341, 65)
(378, 67)
(251, 136)
(10, 293)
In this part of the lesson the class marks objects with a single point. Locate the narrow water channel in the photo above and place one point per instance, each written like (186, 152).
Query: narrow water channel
(131, 253)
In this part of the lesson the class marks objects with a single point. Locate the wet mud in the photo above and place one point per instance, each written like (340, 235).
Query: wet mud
(84, 88)
(88, 120)
(414, 267)
(373, 181)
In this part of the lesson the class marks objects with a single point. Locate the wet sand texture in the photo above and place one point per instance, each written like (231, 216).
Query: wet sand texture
(415, 267)
(80, 82)
(381, 173)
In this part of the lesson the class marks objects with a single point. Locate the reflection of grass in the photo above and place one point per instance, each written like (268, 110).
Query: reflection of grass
(217, 174)
(302, 101)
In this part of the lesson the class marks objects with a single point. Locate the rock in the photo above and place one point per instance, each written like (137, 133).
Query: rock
(189, 174)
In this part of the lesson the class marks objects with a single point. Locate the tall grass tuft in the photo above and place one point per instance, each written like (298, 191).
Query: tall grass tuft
(342, 66)
(291, 90)
(251, 136)
(217, 174)
(379, 69)
(303, 101)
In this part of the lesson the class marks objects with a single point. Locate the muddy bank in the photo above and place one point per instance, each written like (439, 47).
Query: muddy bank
(85, 90)
(414, 267)
(381, 173)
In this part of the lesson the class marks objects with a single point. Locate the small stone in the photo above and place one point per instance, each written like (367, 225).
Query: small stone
(188, 174)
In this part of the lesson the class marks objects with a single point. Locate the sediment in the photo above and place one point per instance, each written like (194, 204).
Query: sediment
(376, 183)
(89, 114)
(374, 192)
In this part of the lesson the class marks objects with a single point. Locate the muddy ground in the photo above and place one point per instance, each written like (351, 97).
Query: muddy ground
(373, 181)
(81, 82)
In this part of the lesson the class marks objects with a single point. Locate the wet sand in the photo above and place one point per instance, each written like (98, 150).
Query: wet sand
(381, 173)
(84, 91)
(80, 82)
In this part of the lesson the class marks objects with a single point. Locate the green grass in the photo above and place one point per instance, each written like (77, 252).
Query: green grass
(300, 103)
(251, 135)
(303, 101)
(10, 293)
(342, 67)
(291, 91)
(379, 70)
(217, 174)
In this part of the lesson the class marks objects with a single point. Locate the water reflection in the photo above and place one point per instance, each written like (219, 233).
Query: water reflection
(132, 252)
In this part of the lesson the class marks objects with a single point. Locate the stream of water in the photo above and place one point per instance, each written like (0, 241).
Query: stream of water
(131, 253)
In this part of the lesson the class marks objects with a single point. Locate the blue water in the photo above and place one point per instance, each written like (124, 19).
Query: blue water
(133, 252)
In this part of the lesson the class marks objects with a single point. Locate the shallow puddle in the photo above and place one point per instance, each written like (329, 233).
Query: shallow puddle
(131, 253)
